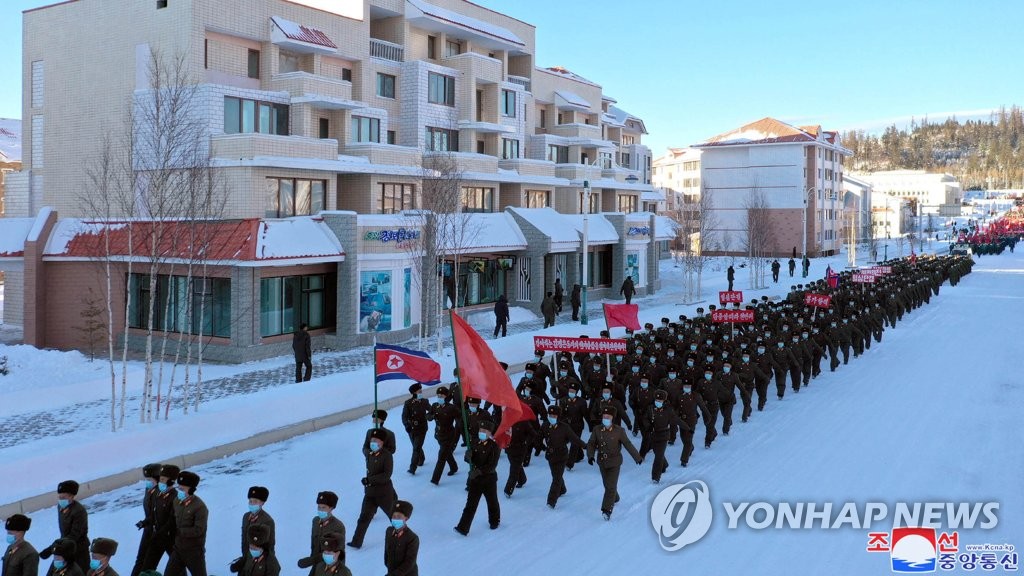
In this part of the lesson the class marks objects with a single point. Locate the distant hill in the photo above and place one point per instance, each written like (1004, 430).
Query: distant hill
(10, 140)
(980, 153)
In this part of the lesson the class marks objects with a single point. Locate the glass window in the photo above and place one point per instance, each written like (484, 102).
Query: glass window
(302, 197)
(627, 203)
(316, 203)
(266, 118)
(287, 62)
(477, 199)
(232, 115)
(538, 199)
(286, 198)
(396, 197)
(508, 103)
(254, 64)
(208, 310)
(440, 89)
(325, 128)
(432, 47)
(385, 85)
(286, 302)
(558, 154)
(509, 148)
(365, 129)
(248, 116)
(294, 197)
(452, 48)
(441, 140)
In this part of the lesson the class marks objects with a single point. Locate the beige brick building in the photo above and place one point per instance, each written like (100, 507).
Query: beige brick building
(309, 111)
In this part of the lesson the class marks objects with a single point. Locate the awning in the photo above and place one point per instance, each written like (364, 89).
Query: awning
(299, 38)
(570, 100)
(600, 231)
(434, 18)
(480, 232)
(563, 237)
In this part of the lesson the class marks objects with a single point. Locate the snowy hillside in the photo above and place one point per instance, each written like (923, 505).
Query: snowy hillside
(929, 415)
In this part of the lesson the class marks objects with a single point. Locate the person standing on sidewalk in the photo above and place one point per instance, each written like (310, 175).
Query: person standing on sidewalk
(501, 316)
(628, 289)
(574, 301)
(559, 295)
(730, 275)
(548, 308)
(302, 346)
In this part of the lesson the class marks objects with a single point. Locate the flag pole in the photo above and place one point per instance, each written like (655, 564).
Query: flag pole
(375, 373)
(458, 380)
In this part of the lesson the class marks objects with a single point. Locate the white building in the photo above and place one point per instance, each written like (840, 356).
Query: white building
(857, 197)
(678, 173)
(936, 193)
(890, 216)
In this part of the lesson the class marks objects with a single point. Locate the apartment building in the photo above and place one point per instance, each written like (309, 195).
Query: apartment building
(342, 120)
(858, 196)
(678, 173)
(928, 193)
(797, 170)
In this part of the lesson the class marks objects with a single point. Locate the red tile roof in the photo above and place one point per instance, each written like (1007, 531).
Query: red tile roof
(763, 131)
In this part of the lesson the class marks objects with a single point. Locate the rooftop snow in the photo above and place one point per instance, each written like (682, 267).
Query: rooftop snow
(600, 230)
(566, 73)
(552, 224)
(13, 233)
(295, 238)
(10, 140)
(665, 228)
(572, 98)
(467, 22)
(481, 232)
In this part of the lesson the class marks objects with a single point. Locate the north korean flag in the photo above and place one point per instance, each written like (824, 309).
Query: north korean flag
(397, 363)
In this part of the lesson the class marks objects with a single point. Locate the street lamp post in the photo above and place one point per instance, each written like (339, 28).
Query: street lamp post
(807, 197)
(586, 241)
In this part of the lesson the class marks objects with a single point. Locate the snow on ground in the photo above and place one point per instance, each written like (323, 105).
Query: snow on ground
(929, 415)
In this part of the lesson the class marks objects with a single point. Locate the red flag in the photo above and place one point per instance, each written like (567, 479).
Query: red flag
(624, 315)
(482, 377)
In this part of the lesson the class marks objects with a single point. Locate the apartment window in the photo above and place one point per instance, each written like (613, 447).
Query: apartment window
(624, 160)
(325, 128)
(692, 165)
(392, 137)
(509, 148)
(508, 103)
(627, 203)
(595, 202)
(477, 199)
(628, 140)
(396, 197)
(365, 129)
(385, 85)
(206, 53)
(558, 154)
(440, 89)
(161, 4)
(254, 63)
(432, 47)
(452, 48)
(442, 140)
(288, 301)
(183, 304)
(288, 62)
(294, 197)
(242, 116)
(559, 118)
(543, 118)
(538, 199)
(346, 74)
(605, 159)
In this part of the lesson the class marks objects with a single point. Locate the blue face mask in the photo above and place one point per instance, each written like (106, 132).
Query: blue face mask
(162, 487)
(618, 357)
(59, 564)
(328, 558)
(182, 495)
(254, 508)
(689, 362)
(693, 346)
(644, 385)
(672, 375)
(398, 523)
(572, 394)
(726, 369)
(526, 393)
(63, 502)
(321, 514)
(529, 374)
(606, 395)
(10, 538)
(374, 446)
(563, 373)
(255, 552)
(707, 376)
(686, 389)
(482, 435)
(95, 564)
(635, 369)
(150, 484)
(552, 420)
(652, 359)
(606, 421)
(473, 409)
(658, 403)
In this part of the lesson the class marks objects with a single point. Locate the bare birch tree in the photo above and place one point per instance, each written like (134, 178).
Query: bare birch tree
(758, 237)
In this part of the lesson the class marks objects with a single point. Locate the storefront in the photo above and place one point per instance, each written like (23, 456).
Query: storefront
(479, 257)
(388, 283)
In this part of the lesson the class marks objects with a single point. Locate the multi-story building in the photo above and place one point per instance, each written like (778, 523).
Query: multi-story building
(10, 153)
(797, 171)
(678, 173)
(857, 198)
(926, 192)
(343, 121)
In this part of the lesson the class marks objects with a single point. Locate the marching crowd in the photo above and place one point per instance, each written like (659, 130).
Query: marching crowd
(675, 379)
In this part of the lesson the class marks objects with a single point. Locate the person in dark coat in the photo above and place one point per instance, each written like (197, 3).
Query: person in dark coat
(378, 491)
(548, 310)
(555, 439)
(64, 552)
(151, 477)
(574, 301)
(258, 496)
(660, 418)
(302, 346)
(379, 417)
(102, 550)
(628, 289)
(73, 521)
(483, 457)
(501, 316)
(447, 423)
(605, 447)
(163, 528)
(792, 267)
(525, 436)
(324, 523)
(730, 275)
(776, 267)
(332, 559)
(20, 558)
(190, 517)
(260, 559)
(559, 295)
(401, 544)
(414, 419)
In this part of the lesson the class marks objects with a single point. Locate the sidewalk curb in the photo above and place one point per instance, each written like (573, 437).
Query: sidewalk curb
(185, 461)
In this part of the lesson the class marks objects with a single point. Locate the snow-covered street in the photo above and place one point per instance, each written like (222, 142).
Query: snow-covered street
(928, 415)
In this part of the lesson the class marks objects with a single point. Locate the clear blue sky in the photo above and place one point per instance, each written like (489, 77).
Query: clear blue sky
(694, 69)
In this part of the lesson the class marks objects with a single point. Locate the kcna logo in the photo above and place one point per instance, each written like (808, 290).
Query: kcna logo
(681, 514)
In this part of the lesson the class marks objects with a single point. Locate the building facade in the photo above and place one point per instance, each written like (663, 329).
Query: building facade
(678, 173)
(927, 193)
(797, 171)
(312, 115)
(857, 199)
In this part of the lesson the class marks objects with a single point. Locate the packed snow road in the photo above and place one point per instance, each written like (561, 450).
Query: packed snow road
(929, 415)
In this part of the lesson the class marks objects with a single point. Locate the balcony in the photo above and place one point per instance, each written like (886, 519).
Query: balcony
(524, 82)
(529, 167)
(386, 50)
(253, 145)
(320, 91)
(586, 131)
(578, 172)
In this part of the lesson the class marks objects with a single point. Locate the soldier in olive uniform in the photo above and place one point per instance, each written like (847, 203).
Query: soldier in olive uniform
(73, 520)
(605, 446)
(99, 564)
(659, 420)
(151, 476)
(446, 419)
(332, 559)
(256, 515)
(401, 544)
(414, 419)
(190, 517)
(556, 439)
(378, 492)
(63, 551)
(259, 558)
(163, 529)
(388, 442)
(726, 385)
(324, 523)
(707, 389)
(483, 457)
(525, 436)
(20, 558)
